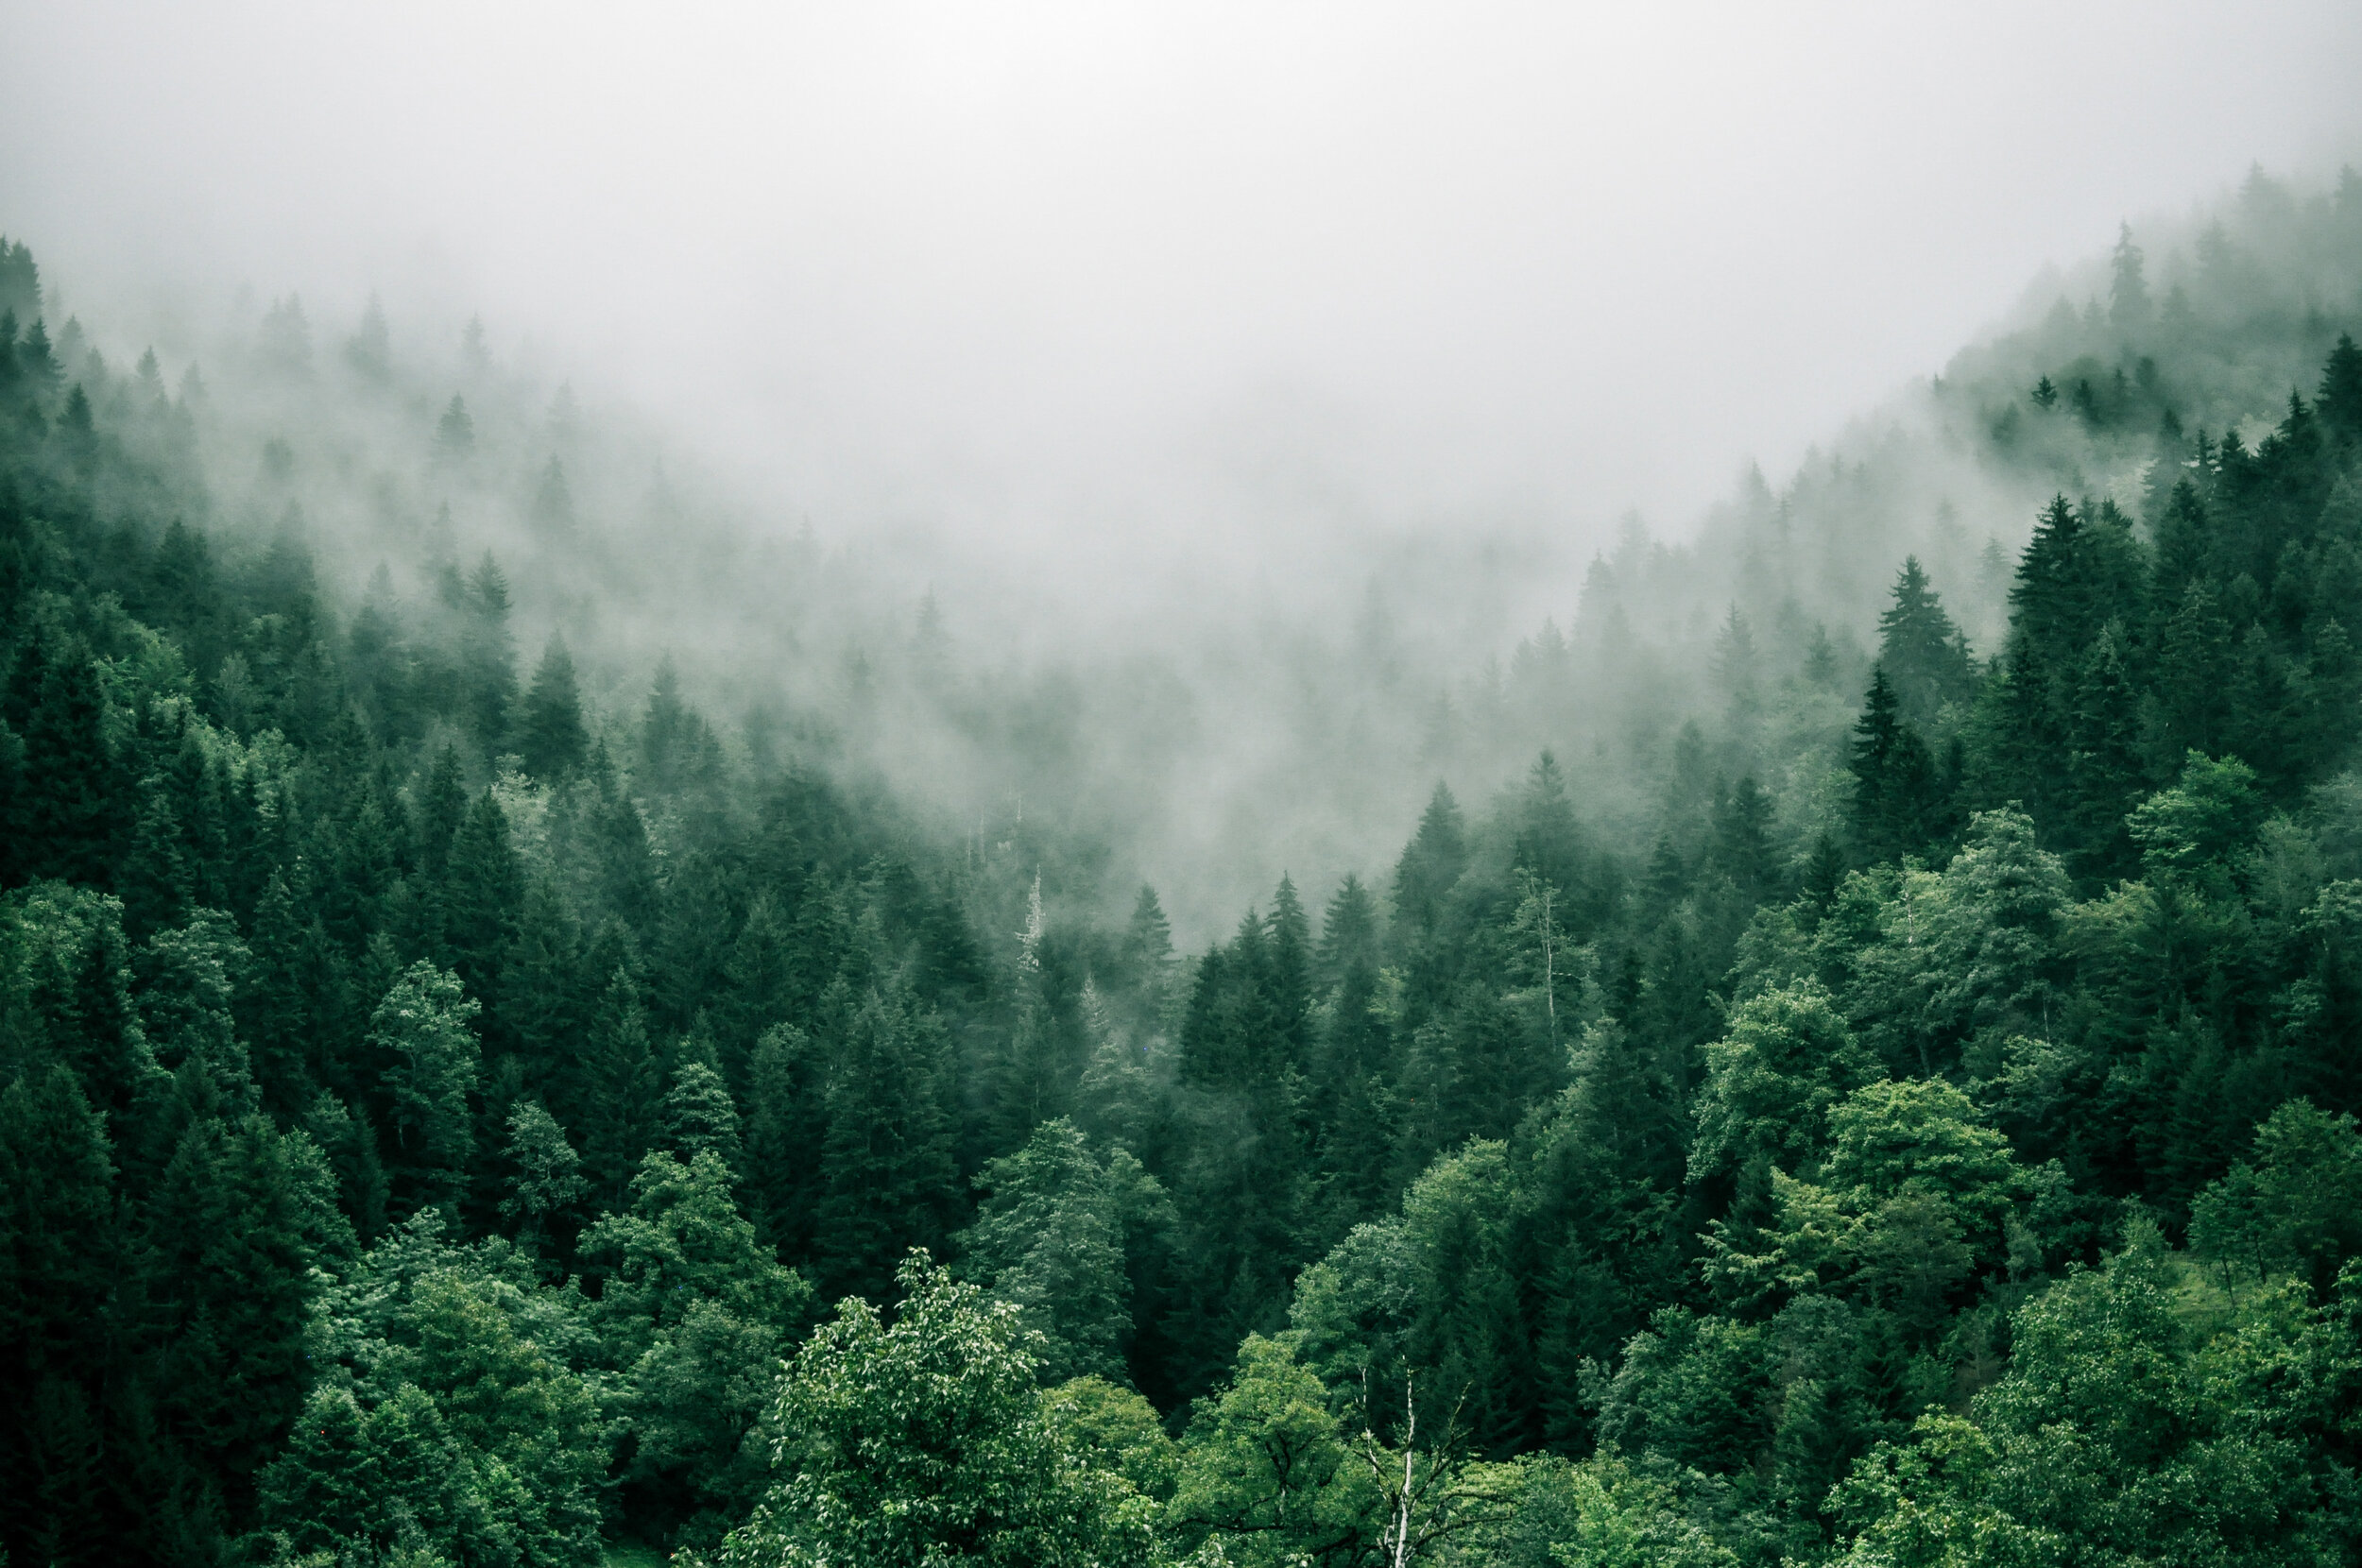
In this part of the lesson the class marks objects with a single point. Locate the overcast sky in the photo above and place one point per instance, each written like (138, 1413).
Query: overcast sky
(1140, 271)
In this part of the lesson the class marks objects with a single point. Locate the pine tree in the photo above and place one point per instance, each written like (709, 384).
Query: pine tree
(887, 1177)
(698, 1116)
(2191, 690)
(2105, 762)
(488, 658)
(154, 878)
(2129, 306)
(1291, 969)
(1145, 954)
(1925, 656)
(233, 1234)
(1349, 934)
(442, 805)
(786, 1121)
(1742, 838)
(548, 1175)
(1549, 841)
(2339, 401)
(549, 735)
(1430, 864)
(370, 350)
(482, 891)
(1895, 777)
(614, 1097)
(454, 432)
(542, 984)
(1824, 870)
(71, 803)
(272, 1012)
(423, 1027)
(553, 511)
(2046, 598)
(61, 1261)
(2184, 544)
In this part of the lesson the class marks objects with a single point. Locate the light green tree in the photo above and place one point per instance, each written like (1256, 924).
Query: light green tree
(423, 1024)
(926, 1440)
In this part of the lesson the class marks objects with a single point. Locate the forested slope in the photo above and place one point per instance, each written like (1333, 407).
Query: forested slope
(1887, 1106)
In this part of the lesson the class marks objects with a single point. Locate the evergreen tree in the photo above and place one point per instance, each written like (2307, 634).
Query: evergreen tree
(549, 735)
(786, 1121)
(1430, 864)
(553, 511)
(370, 350)
(1051, 1234)
(70, 803)
(2129, 306)
(548, 1179)
(454, 432)
(1923, 655)
(483, 892)
(61, 1259)
(488, 658)
(2339, 401)
(422, 1026)
(1895, 777)
(612, 1097)
(699, 1117)
(2105, 763)
(887, 1175)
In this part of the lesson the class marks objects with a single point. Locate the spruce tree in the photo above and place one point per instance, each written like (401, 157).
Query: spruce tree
(488, 658)
(1430, 864)
(454, 432)
(888, 1181)
(2339, 400)
(422, 1026)
(698, 1116)
(553, 511)
(1895, 777)
(1925, 656)
(549, 735)
(482, 891)
(61, 1322)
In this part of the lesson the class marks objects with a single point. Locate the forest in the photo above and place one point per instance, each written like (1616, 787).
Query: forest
(1855, 1060)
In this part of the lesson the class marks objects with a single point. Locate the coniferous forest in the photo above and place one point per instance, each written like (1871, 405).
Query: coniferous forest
(1855, 1059)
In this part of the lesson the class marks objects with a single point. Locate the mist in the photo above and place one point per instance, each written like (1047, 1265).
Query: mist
(1100, 295)
(1473, 785)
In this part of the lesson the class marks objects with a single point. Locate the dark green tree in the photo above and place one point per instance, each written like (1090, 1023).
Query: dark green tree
(549, 735)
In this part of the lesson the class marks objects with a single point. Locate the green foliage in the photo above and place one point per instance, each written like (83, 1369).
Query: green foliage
(1731, 1099)
(1266, 1468)
(928, 1440)
(1053, 1234)
(2113, 1437)
(423, 1027)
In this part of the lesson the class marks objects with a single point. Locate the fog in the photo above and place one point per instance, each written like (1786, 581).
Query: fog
(1076, 282)
(1241, 380)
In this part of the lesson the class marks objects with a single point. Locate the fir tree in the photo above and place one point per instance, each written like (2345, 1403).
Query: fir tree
(454, 432)
(887, 1177)
(615, 1091)
(698, 1116)
(1895, 777)
(1433, 861)
(2339, 401)
(1925, 656)
(422, 1026)
(549, 735)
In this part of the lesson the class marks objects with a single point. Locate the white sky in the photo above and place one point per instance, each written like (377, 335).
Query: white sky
(1144, 271)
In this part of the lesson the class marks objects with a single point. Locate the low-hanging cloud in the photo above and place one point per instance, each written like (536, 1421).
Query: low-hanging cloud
(1102, 287)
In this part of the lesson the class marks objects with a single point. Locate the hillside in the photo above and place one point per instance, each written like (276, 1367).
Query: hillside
(1854, 1061)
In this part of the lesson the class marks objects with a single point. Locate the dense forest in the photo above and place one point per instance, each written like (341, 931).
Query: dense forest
(1858, 1080)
